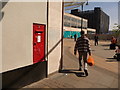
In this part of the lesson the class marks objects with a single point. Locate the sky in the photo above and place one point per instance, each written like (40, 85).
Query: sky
(109, 7)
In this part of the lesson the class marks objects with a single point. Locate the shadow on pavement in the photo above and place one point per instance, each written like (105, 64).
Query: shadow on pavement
(80, 74)
(76, 72)
(69, 47)
(109, 49)
(106, 45)
(111, 60)
(69, 71)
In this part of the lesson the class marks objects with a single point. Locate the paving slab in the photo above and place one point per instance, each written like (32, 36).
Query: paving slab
(104, 74)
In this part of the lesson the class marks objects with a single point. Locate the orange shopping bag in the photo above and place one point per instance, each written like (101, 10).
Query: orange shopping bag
(90, 61)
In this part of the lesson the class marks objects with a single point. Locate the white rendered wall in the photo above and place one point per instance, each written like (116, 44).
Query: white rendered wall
(17, 32)
(54, 35)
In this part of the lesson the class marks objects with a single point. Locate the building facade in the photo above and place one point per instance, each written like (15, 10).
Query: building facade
(97, 19)
(72, 25)
(29, 48)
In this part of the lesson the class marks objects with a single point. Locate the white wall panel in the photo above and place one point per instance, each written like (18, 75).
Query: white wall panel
(54, 35)
(17, 33)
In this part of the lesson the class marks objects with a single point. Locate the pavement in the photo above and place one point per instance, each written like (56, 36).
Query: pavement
(104, 74)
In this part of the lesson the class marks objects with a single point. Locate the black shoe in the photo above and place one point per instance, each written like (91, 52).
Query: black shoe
(80, 69)
(86, 72)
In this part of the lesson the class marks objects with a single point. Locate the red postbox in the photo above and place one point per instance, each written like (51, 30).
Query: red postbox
(38, 43)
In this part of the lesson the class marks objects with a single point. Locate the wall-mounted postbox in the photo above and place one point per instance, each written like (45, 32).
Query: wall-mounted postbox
(38, 43)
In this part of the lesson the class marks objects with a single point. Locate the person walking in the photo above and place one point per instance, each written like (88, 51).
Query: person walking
(75, 37)
(96, 40)
(82, 45)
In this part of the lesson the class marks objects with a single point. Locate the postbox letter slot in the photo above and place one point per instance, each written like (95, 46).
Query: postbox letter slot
(38, 31)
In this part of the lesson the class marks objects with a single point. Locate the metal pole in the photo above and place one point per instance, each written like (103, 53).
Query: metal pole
(61, 61)
(82, 18)
(70, 26)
